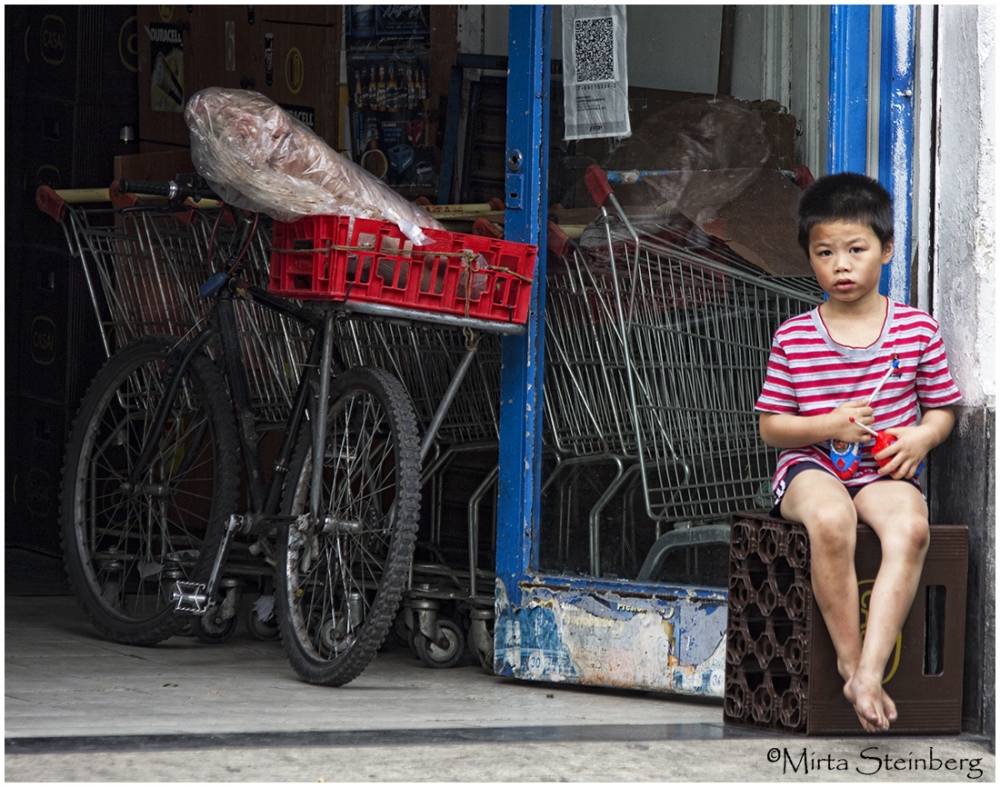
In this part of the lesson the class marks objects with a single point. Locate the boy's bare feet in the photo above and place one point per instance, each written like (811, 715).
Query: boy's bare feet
(867, 699)
(890, 707)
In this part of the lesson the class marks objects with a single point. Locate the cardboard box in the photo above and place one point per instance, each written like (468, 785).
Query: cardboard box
(303, 77)
(158, 166)
(230, 48)
(295, 63)
(65, 145)
(60, 348)
(327, 15)
(168, 72)
(74, 53)
(673, 130)
(38, 432)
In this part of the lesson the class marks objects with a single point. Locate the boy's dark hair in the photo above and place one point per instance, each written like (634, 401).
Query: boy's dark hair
(846, 196)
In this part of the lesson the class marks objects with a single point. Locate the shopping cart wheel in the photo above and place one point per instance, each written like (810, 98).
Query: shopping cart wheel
(441, 655)
(399, 634)
(214, 629)
(486, 659)
(340, 575)
(126, 542)
(264, 630)
(480, 638)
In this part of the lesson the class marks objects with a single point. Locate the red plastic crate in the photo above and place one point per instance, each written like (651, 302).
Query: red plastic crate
(351, 259)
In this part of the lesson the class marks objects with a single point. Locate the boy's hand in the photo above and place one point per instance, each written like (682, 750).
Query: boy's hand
(907, 452)
(841, 426)
(913, 443)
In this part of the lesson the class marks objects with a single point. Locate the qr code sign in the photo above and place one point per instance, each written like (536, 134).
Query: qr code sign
(593, 45)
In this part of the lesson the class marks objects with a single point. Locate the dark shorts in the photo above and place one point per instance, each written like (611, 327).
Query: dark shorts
(797, 468)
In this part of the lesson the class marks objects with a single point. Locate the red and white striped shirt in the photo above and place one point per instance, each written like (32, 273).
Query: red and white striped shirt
(808, 373)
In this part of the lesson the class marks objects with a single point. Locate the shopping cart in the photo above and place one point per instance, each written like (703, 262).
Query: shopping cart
(657, 342)
(590, 428)
(152, 463)
(449, 593)
(144, 267)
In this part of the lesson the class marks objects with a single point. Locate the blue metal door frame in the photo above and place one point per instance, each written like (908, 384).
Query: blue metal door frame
(561, 628)
(590, 630)
(850, 27)
(522, 356)
(895, 161)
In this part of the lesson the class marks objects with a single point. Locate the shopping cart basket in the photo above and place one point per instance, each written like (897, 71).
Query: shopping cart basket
(691, 327)
(144, 268)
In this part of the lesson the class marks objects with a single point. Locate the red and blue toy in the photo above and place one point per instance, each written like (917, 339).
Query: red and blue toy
(846, 457)
(882, 441)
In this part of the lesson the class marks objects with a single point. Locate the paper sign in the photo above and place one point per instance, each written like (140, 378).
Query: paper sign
(595, 73)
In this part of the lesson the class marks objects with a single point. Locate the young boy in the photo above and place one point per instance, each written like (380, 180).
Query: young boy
(857, 359)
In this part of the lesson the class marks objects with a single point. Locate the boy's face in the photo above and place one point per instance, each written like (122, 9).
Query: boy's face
(847, 259)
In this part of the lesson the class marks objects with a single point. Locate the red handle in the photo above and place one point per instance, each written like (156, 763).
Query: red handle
(557, 240)
(49, 202)
(122, 199)
(596, 180)
(486, 228)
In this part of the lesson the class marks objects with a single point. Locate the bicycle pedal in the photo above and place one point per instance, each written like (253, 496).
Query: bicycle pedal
(191, 597)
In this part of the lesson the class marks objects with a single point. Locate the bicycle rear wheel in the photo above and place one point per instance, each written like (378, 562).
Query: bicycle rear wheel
(124, 548)
(341, 573)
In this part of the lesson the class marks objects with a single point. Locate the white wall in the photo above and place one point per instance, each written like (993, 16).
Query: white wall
(964, 275)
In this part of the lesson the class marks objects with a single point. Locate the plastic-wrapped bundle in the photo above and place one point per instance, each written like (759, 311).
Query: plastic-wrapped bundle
(257, 157)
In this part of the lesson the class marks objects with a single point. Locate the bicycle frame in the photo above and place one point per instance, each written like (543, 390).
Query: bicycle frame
(338, 528)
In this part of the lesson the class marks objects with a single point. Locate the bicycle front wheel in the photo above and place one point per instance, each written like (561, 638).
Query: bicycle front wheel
(126, 541)
(341, 571)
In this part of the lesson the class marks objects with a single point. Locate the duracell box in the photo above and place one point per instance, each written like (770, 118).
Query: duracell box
(168, 72)
(290, 54)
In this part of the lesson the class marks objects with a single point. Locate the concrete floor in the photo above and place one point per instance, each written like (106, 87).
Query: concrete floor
(79, 708)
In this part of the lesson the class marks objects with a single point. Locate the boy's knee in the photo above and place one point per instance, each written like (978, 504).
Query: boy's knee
(914, 535)
(898, 513)
(905, 534)
(833, 530)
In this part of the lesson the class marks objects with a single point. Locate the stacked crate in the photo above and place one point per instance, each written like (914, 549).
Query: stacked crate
(781, 667)
(71, 92)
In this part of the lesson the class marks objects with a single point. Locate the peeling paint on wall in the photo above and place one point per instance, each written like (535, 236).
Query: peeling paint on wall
(604, 638)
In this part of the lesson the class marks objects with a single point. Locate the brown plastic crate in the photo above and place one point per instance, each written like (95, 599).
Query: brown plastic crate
(781, 672)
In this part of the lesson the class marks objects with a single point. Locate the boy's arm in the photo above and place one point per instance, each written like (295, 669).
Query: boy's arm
(915, 442)
(784, 430)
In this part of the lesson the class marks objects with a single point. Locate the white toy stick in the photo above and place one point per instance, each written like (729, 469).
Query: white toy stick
(870, 431)
(892, 368)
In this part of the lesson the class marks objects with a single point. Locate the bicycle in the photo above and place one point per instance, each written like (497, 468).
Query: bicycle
(151, 485)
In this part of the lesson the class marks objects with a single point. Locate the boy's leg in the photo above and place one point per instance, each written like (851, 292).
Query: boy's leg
(897, 512)
(820, 501)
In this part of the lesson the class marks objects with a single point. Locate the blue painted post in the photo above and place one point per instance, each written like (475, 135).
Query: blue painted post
(848, 122)
(895, 157)
(522, 356)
